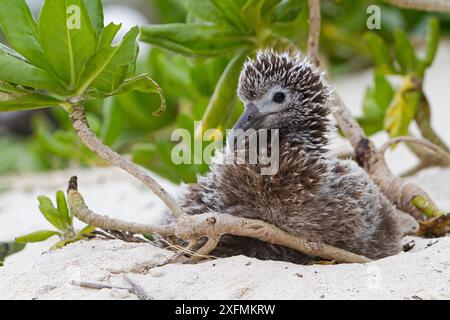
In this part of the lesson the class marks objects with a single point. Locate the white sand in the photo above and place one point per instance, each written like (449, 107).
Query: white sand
(423, 273)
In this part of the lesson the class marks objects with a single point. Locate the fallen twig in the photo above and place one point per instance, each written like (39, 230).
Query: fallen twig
(135, 289)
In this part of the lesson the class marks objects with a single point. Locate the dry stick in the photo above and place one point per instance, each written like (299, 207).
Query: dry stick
(213, 226)
(81, 126)
(135, 289)
(314, 31)
(424, 5)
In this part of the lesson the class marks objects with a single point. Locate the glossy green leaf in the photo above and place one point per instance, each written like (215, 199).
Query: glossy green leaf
(37, 236)
(95, 12)
(252, 11)
(6, 87)
(108, 34)
(51, 213)
(380, 53)
(20, 29)
(16, 71)
(61, 204)
(200, 11)
(112, 124)
(433, 32)
(9, 248)
(404, 52)
(67, 37)
(231, 12)
(108, 68)
(376, 102)
(25, 101)
(86, 231)
(194, 39)
(287, 10)
(224, 95)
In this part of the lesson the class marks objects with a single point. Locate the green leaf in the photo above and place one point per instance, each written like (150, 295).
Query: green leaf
(86, 231)
(63, 209)
(9, 248)
(108, 34)
(224, 95)
(380, 53)
(95, 12)
(230, 11)
(200, 11)
(403, 108)
(404, 52)
(376, 102)
(51, 213)
(67, 37)
(20, 29)
(16, 71)
(25, 101)
(37, 236)
(112, 124)
(108, 68)
(194, 39)
(432, 45)
(287, 10)
(252, 13)
(291, 27)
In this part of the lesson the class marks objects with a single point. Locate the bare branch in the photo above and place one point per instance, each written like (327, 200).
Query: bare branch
(213, 224)
(314, 31)
(424, 5)
(80, 210)
(81, 126)
(372, 160)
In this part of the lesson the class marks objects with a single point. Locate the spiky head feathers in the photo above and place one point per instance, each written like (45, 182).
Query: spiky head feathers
(289, 91)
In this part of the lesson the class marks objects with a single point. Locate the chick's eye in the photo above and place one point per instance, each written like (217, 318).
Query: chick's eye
(279, 97)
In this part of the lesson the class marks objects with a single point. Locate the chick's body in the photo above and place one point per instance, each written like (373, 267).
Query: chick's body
(323, 199)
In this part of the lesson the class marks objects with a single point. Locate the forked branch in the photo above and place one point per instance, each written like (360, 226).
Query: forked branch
(366, 154)
(211, 226)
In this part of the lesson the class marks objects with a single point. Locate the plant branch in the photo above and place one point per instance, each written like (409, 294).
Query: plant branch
(372, 160)
(424, 5)
(366, 154)
(443, 155)
(78, 118)
(80, 210)
(314, 31)
(212, 226)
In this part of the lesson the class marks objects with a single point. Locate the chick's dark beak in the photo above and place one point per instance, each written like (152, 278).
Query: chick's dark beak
(249, 118)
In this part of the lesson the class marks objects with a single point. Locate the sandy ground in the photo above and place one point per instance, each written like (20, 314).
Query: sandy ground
(423, 273)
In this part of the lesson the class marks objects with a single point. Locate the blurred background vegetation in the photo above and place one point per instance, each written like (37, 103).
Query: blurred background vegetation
(193, 61)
